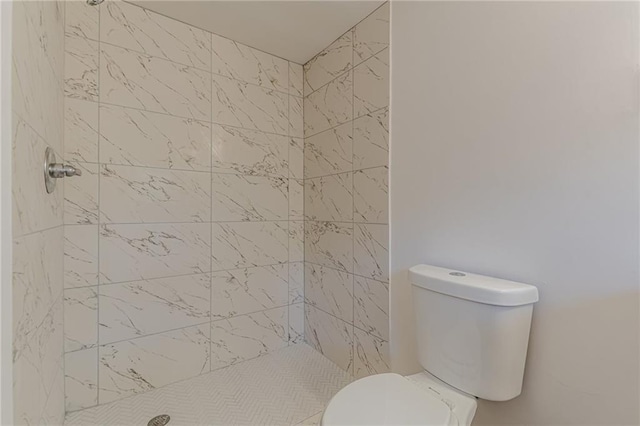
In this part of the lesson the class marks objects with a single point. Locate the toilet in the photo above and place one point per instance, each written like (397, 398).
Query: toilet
(472, 336)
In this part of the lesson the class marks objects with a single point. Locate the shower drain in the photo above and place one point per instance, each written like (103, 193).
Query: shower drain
(160, 420)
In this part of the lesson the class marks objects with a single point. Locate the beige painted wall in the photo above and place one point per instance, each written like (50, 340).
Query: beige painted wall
(514, 153)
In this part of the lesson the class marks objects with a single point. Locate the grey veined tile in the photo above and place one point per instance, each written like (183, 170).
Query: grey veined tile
(248, 198)
(245, 244)
(371, 306)
(296, 323)
(81, 68)
(248, 336)
(329, 244)
(329, 290)
(329, 198)
(143, 251)
(236, 60)
(129, 78)
(329, 152)
(81, 196)
(80, 256)
(248, 152)
(81, 379)
(328, 64)
(371, 195)
(80, 318)
(137, 194)
(139, 365)
(371, 355)
(329, 106)
(161, 140)
(139, 29)
(80, 131)
(242, 291)
(140, 308)
(241, 104)
(372, 34)
(371, 251)
(296, 79)
(81, 19)
(371, 140)
(330, 336)
(371, 84)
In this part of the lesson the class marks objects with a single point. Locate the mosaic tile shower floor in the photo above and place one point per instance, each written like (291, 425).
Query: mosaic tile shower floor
(287, 387)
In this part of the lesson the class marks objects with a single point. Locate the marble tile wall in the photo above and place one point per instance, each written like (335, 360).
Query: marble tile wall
(346, 133)
(37, 117)
(184, 238)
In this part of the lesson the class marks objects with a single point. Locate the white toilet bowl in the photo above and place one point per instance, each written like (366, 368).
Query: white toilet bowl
(391, 399)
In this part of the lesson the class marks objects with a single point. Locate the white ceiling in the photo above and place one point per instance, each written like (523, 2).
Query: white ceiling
(293, 30)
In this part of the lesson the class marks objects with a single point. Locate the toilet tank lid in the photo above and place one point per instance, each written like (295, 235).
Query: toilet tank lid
(476, 288)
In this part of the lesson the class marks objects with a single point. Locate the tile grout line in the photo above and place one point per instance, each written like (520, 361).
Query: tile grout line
(99, 220)
(353, 204)
(211, 211)
(288, 331)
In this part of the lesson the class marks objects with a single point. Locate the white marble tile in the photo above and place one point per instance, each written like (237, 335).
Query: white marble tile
(81, 68)
(371, 140)
(328, 64)
(296, 158)
(371, 306)
(81, 19)
(161, 140)
(245, 244)
(371, 84)
(236, 60)
(296, 282)
(371, 195)
(248, 198)
(37, 68)
(132, 79)
(330, 336)
(137, 194)
(296, 323)
(245, 105)
(296, 79)
(38, 364)
(139, 365)
(37, 281)
(329, 244)
(296, 119)
(80, 256)
(329, 152)
(371, 355)
(329, 290)
(371, 251)
(80, 318)
(249, 152)
(28, 190)
(248, 336)
(296, 199)
(296, 241)
(81, 195)
(140, 308)
(372, 34)
(329, 106)
(81, 379)
(243, 291)
(54, 412)
(329, 198)
(139, 29)
(80, 131)
(143, 251)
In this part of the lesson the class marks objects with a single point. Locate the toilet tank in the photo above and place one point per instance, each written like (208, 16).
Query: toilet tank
(472, 330)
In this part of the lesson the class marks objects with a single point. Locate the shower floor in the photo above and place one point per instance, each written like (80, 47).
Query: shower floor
(287, 387)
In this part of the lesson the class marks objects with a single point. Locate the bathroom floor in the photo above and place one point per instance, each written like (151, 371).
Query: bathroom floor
(289, 386)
